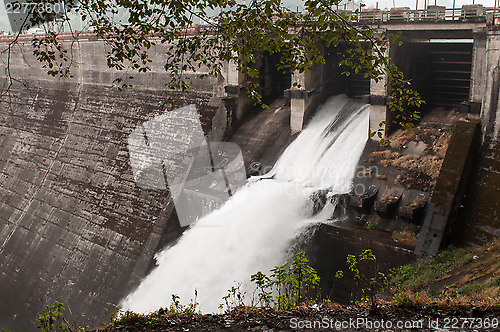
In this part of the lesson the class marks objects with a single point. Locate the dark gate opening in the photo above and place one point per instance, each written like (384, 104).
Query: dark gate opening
(272, 80)
(353, 84)
(356, 84)
(440, 71)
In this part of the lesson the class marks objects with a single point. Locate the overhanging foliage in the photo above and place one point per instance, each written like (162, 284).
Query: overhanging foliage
(209, 33)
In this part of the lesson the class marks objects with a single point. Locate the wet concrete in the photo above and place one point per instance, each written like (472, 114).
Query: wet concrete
(454, 178)
(74, 226)
(329, 245)
(480, 213)
(264, 133)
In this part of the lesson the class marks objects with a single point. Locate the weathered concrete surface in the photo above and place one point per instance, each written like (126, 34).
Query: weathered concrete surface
(454, 178)
(74, 226)
(379, 115)
(89, 66)
(264, 134)
(329, 246)
(306, 93)
(409, 167)
(480, 218)
(479, 66)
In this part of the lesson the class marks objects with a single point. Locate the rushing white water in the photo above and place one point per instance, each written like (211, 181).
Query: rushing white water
(254, 229)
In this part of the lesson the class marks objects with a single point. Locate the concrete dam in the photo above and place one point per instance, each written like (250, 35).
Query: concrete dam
(72, 216)
(75, 226)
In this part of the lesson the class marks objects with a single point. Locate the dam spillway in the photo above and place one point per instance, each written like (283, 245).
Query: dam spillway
(255, 228)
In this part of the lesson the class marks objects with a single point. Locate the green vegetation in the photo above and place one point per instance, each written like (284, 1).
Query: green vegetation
(421, 275)
(367, 276)
(462, 276)
(233, 299)
(176, 307)
(288, 286)
(52, 319)
(405, 236)
(130, 318)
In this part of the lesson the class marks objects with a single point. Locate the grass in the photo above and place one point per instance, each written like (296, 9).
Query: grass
(468, 275)
(418, 276)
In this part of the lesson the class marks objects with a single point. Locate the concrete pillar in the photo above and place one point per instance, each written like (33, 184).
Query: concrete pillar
(234, 88)
(378, 114)
(489, 117)
(297, 111)
(478, 78)
(306, 93)
(378, 108)
(377, 100)
(233, 76)
(298, 95)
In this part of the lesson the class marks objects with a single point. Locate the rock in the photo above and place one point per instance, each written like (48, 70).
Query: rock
(255, 169)
(316, 202)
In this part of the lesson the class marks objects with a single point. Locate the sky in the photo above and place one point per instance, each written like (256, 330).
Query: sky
(382, 4)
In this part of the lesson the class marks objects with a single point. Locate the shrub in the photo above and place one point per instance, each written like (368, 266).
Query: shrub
(288, 286)
(372, 282)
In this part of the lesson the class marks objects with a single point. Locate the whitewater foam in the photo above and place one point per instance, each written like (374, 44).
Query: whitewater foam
(254, 229)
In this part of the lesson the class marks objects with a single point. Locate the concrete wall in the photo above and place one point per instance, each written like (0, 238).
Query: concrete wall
(490, 99)
(446, 201)
(480, 217)
(90, 67)
(479, 66)
(74, 226)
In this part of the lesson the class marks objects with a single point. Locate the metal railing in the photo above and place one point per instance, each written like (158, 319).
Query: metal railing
(467, 13)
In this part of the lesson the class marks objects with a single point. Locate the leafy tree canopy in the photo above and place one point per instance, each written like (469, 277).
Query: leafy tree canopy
(228, 31)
